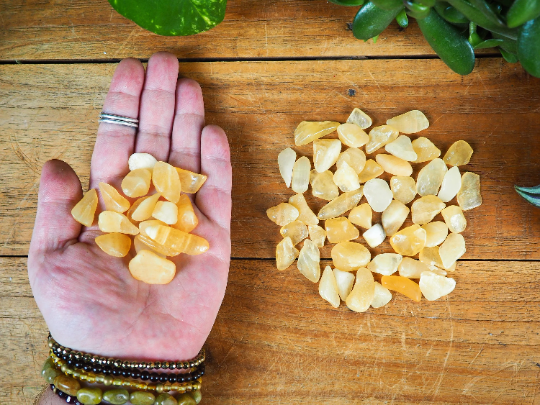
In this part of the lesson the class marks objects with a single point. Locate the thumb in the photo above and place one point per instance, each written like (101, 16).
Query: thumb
(59, 191)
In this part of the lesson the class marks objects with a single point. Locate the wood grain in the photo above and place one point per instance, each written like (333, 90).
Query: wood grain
(276, 341)
(50, 111)
(66, 29)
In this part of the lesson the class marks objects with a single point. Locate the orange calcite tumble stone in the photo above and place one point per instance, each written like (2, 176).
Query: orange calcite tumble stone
(114, 244)
(340, 205)
(380, 136)
(328, 288)
(340, 230)
(286, 253)
(142, 242)
(362, 294)
(296, 230)
(317, 235)
(305, 214)
(371, 170)
(352, 135)
(402, 285)
(187, 220)
(137, 183)
(190, 182)
(308, 131)
(151, 222)
(177, 240)
(144, 208)
(166, 211)
(167, 181)
(361, 215)
(85, 210)
(110, 221)
(112, 199)
(282, 214)
(350, 256)
(409, 241)
(150, 268)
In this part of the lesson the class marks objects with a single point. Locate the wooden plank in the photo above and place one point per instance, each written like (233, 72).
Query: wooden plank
(276, 340)
(50, 111)
(77, 29)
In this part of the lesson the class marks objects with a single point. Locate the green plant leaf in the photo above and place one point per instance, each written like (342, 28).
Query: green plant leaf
(173, 17)
(488, 43)
(534, 199)
(348, 2)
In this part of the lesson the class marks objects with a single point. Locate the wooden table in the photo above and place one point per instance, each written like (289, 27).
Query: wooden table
(268, 66)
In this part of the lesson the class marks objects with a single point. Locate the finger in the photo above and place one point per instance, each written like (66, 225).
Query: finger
(157, 106)
(114, 143)
(214, 198)
(59, 191)
(188, 125)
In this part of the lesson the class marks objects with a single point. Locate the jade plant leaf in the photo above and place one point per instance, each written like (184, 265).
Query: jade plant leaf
(530, 194)
(173, 17)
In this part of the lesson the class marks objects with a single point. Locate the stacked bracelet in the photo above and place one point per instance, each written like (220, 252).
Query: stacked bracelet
(65, 370)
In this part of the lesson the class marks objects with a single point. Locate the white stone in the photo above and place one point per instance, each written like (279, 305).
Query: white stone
(382, 296)
(375, 235)
(430, 177)
(345, 282)
(286, 159)
(141, 161)
(385, 263)
(360, 118)
(346, 178)
(450, 185)
(434, 286)
(325, 153)
(378, 194)
(402, 148)
(328, 288)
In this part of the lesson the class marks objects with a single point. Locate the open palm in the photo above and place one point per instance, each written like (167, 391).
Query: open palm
(88, 299)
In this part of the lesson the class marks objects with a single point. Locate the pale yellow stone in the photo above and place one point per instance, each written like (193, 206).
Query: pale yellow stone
(112, 199)
(426, 208)
(381, 297)
(110, 221)
(150, 268)
(84, 211)
(286, 253)
(345, 282)
(340, 230)
(346, 178)
(325, 153)
(141, 161)
(166, 211)
(394, 165)
(469, 195)
(296, 230)
(352, 135)
(354, 157)
(436, 233)
(411, 268)
(434, 286)
(151, 222)
(187, 219)
(323, 186)
(300, 176)
(371, 170)
(454, 218)
(452, 249)
(137, 183)
(114, 244)
(282, 214)
(309, 261)
(362, 294)
(402, 148)
(374, 236)
(178, 240)
(425, 150)
(350, 256)
(380, 136)
(450, 185)
(141, 242)
(340, 205)
(361, 216)
(308, 131)
(409, 241)
(458, 154)
(394, 216)
(437, 270)
(430, 178)
(305, 214)
(317, 234)
(167, 181)
(191, 182)
(328, 288)
(286, 160)
(145, 207)
(403, 188)
(385, 263)
(409, 123)
(378, 194)
(432, 258)
(360, 118)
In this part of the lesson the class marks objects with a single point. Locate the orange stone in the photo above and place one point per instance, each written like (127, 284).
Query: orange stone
(402, 285)
(85, 210)
(167, 181)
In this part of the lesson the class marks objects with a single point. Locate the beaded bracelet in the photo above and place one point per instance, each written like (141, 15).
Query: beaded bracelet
(107, 380)
(110, 362)
(135, 373)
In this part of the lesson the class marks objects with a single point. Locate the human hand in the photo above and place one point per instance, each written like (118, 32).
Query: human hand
(89, 300)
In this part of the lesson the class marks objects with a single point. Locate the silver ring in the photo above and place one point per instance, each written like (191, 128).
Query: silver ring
(118, 119)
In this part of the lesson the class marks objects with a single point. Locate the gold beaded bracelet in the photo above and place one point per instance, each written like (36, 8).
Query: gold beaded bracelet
(108, 380)
(103, 361)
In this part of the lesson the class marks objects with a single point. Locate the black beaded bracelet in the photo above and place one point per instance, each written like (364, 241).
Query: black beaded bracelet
(68, 354)
(135, 373)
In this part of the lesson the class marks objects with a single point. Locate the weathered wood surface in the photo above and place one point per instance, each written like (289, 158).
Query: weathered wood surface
(277, 341)
(66, 29)
(50, 111)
